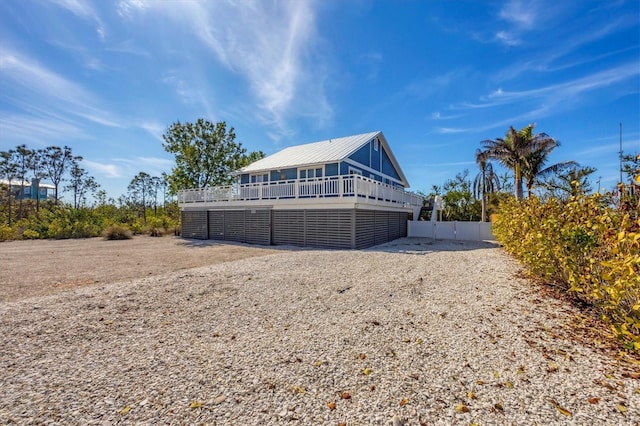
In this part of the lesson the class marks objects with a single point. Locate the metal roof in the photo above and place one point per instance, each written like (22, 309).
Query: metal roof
(328, 151)
(26, 184)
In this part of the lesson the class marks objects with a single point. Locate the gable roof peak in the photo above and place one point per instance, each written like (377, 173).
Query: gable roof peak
(327, 151)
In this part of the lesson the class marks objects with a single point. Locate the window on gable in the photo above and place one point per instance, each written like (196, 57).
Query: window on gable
(375, 144)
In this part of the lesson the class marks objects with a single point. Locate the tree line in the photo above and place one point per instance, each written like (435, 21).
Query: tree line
(525, 154)
(206, 154)
(37, 216)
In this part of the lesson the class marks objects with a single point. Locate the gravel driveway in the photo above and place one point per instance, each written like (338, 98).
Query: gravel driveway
(409, 332)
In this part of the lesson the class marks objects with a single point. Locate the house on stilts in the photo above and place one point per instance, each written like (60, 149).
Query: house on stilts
(348, 192)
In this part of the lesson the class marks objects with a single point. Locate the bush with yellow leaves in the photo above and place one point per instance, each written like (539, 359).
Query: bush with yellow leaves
(589, 244)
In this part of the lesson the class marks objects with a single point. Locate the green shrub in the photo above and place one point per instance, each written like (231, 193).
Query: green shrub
(585, 246)
(117, 232)
(84, 230)
(29, 234)
(60, 228)
(155, 227)
(7, 233)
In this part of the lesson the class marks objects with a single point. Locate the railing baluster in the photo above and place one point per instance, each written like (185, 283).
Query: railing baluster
(342, 186)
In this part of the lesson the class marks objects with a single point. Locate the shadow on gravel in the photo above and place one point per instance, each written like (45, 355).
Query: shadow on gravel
(429, 245)
(192, 243)
(402, 245)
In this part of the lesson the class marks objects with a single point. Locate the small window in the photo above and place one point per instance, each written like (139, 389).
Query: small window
(375, 144)
(310, 173)
(353, 171)
(259, 178)
(26, 190)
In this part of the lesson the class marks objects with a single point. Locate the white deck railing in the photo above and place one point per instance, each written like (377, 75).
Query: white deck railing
(326, 187)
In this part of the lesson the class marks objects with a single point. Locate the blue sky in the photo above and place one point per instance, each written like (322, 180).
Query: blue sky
(437, 77)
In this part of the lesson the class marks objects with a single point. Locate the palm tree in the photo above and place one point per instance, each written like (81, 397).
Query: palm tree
(534, 163)
(510, 152)
(521, 151)
(486, 182)
(568, 183)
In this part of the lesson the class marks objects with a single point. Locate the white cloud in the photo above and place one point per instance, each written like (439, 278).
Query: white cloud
(128, 167)
(154, 166)
(105, 169)
(34, 131)
(496, 93)
(126, 8)
(83, 9)
(181, 86)
(87, 56)
(630, 144)
(129, 47)
(559, 93)
(526, 117)
(437, 115)
(154, 128)
(273, 45)
(562, 91)
(152, 163)
(571, 40)
(521, 13)
(42, 92)
(507, 38)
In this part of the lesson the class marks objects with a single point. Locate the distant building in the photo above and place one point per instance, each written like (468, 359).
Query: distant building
(29, 190)
(347, 192)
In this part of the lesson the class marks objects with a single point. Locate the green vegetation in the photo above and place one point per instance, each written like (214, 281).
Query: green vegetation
(62, 221)
(206, 154)
(485, 183)
(526, 154)
(464, 200)
(588, 245)
(585, 244)
(22, 218)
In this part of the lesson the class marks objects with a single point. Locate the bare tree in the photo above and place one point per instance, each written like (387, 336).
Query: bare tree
(56, 162)
(141, 189)
(8, 171)
(80, 184)
(36, 166)
(22, 154)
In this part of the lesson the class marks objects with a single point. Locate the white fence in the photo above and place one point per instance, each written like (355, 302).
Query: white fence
(467, 231)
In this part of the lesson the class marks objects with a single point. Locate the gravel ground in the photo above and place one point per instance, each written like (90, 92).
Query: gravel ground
(409, 332)
(42, 267)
